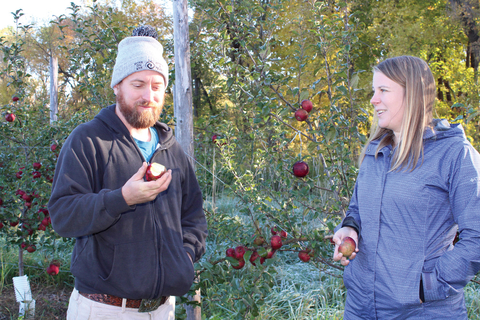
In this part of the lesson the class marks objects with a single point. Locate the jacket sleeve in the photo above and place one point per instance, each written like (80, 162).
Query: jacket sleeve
(352, 217)
(194, 223)
(455, 268)
(77, 205)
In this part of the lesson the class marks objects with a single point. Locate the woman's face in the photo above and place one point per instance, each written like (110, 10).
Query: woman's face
(389, 103)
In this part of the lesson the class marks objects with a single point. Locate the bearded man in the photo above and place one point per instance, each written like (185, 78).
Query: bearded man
(136, 240)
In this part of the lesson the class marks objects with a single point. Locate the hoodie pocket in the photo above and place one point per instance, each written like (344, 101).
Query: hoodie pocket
(134, 270)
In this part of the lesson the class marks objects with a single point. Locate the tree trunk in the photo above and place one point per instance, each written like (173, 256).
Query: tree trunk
(53, 88)
(468, 12)
(182, 100)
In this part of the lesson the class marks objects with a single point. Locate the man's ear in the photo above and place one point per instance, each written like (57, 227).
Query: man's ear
(115, 89)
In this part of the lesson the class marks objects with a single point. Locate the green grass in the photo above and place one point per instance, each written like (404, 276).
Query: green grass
(299, 290)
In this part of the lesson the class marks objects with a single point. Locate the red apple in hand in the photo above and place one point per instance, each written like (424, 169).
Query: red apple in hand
(347, 247)
(301, 114)
(300, 169)
(307, 105)
(155, 171)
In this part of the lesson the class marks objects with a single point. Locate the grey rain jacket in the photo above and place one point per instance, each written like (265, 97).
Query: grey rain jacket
(136, 251)
(408, 222)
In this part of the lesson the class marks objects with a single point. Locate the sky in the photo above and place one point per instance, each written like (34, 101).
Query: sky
(35, 10)
(40, 11)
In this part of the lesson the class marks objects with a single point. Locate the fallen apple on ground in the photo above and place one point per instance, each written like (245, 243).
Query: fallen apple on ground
(347, 247)
(155, 171)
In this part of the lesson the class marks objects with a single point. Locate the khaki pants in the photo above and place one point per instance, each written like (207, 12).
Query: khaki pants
(81, 308)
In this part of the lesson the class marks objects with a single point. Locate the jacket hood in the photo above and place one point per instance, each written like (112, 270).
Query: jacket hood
(107, 115)
(443, 129)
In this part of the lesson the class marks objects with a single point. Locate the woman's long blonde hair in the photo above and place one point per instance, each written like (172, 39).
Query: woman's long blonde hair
(414, 75)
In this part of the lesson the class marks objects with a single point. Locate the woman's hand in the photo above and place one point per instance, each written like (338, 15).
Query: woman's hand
(338, 237)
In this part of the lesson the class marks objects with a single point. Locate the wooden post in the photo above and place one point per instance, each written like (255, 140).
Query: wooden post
(182, 93)
(53, 88)
(182, 104)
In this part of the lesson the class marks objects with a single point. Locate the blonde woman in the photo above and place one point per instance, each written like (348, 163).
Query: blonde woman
(417, 186)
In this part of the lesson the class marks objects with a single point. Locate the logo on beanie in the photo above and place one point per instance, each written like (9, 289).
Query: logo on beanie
(138, 65)
(150, 65)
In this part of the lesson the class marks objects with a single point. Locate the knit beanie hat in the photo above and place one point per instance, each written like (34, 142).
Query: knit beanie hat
(139, 52)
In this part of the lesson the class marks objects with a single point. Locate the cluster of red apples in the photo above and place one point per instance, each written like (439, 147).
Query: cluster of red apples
(302, 113)
(300, 168)
(268, 249)
(10, 117)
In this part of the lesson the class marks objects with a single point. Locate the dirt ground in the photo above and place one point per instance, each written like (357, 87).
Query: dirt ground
(50, 303)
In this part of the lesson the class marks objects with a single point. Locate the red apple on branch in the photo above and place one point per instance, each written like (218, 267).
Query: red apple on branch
(276, 242)
(230, 252)
(240, 252)
(53, 268)
(254, 257)
(37, 165)
(155, 171)
(241, 264)
(31, 248)
(304, 256)
(15, 99)
(10, 117)
(300, 169)
(307, 105)
(301, 114)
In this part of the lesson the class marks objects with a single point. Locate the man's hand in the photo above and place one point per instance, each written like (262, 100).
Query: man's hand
(136, 190)
(338, 237)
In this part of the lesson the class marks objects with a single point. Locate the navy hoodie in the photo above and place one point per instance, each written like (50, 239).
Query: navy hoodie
(135, 252)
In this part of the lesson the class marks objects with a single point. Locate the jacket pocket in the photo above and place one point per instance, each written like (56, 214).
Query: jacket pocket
(178, 271)
(134, 270)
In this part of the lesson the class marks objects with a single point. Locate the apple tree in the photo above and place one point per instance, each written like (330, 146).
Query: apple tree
(284, 146)
(29, 149)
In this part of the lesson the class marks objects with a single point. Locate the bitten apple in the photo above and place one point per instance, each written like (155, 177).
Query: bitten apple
(347, 247)
(155, 171)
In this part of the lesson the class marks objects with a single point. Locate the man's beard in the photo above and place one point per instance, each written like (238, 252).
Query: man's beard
(135, 118)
